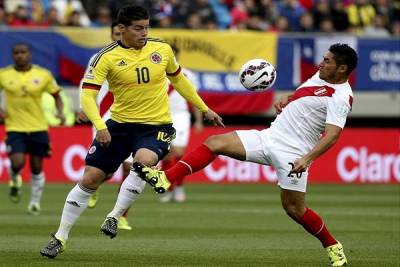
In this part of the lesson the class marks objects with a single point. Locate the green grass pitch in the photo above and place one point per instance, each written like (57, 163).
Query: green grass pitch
(219, 225)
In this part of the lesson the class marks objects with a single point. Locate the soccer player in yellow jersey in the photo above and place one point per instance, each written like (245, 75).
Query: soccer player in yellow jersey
(137, 69)
(26, 126)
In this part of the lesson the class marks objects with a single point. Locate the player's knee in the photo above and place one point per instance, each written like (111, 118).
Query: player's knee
(215, 143)
(17, 166)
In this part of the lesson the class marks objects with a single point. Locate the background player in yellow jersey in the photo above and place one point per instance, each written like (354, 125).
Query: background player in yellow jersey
(136, 69)
(26, 126)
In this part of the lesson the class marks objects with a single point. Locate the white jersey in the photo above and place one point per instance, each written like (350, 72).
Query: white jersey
(314, 104)
(176, 102)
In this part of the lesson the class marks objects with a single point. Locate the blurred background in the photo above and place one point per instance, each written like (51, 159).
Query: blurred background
(215, 38)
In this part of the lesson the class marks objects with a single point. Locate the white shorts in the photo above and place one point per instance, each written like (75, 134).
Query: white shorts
(261, 147)
(181, 123)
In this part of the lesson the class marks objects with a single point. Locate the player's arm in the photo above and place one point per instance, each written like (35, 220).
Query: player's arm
(88, 98)
(198, 120)
(54, 90)
(282, 102)
(332, 134)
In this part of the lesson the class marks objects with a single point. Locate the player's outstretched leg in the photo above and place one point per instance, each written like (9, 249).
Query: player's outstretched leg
(54, 247)
(157, 179)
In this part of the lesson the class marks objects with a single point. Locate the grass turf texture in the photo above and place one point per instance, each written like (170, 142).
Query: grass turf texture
(219, 225)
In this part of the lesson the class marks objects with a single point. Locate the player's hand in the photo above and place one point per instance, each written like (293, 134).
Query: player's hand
(103, 137)
(213, 118)
(281, 103)
(81, 117)
(61, 117)
(300, 165)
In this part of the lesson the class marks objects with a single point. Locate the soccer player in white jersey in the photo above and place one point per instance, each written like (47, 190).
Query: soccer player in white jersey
(291, 144)
(104, 102)
(181, 122)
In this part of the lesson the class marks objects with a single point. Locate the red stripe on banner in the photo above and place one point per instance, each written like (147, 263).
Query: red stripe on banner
(70, 70)
(239, 104)
(106, 103)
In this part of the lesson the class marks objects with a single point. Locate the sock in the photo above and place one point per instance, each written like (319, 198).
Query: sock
(130, 189)
(313, 223)
(37, 186)
(75, 204)
(190, 163)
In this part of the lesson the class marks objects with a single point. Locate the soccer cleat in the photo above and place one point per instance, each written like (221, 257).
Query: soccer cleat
(336, 255)
(124, 224)
(167, 197)
(54, 247)
(93, 200)
(34, 208)
(153, 177)
(179, 194)
(109, 227)
(15, 189)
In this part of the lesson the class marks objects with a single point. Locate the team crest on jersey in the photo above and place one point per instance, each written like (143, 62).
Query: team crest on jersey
(92, 149)
(89, 74)
(155, 58)
(320, 91)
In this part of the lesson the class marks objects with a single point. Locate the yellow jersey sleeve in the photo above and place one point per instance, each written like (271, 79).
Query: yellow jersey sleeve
(51, 87)
(96, 72)
(173, 67)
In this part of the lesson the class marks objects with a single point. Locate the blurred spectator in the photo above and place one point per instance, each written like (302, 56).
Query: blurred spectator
(387, 9)
(307, 22)
(339, 16)
(3, 17)
(103, 17)
(65, 9)
(51, 18)
(194, 22)
(179, 11)
(21, 18)
(268, 11)
(395, 29)
(321, 11)
(326, 25)
(281, 25)
(256, 23)
(292, 10)
(222, 14)
(361, 14)
(203, 9)
(378, 28)
(239, 15)
(74, 19)
(165, 22)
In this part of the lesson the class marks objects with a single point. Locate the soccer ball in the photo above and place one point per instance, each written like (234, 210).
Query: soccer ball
(257, 75)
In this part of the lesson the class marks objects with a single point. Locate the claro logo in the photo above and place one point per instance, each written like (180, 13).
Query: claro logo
(232, 170)
(358, 163)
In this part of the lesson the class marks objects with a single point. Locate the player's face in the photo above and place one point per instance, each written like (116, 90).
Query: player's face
(328, 70)
(135, 35)
(21, 55)
(116, 34)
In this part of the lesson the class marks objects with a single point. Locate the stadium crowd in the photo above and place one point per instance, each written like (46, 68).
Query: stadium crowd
(377, 18)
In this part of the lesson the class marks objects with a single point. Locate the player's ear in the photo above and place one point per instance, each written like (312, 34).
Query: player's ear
(121, 27)
(343, 68)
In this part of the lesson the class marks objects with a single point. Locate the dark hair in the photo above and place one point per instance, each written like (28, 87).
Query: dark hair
(129, 13)
(21, 44)
(344, 55)
(113, 24)
(175, 49)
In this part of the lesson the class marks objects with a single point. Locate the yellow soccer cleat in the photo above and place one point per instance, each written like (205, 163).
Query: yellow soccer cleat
(157, 179)
(93, 200)
(15, 189)
(124, 224)
(336, 255)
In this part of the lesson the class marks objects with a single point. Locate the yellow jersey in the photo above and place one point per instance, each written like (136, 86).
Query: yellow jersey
(23, 97)
(137, 79)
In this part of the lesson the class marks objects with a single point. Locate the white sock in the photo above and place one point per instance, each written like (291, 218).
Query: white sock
(75, 204)
(37, 186)
(131, 188)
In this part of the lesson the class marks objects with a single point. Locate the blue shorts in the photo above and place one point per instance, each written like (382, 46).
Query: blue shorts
(33, 143)
(127, 138)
